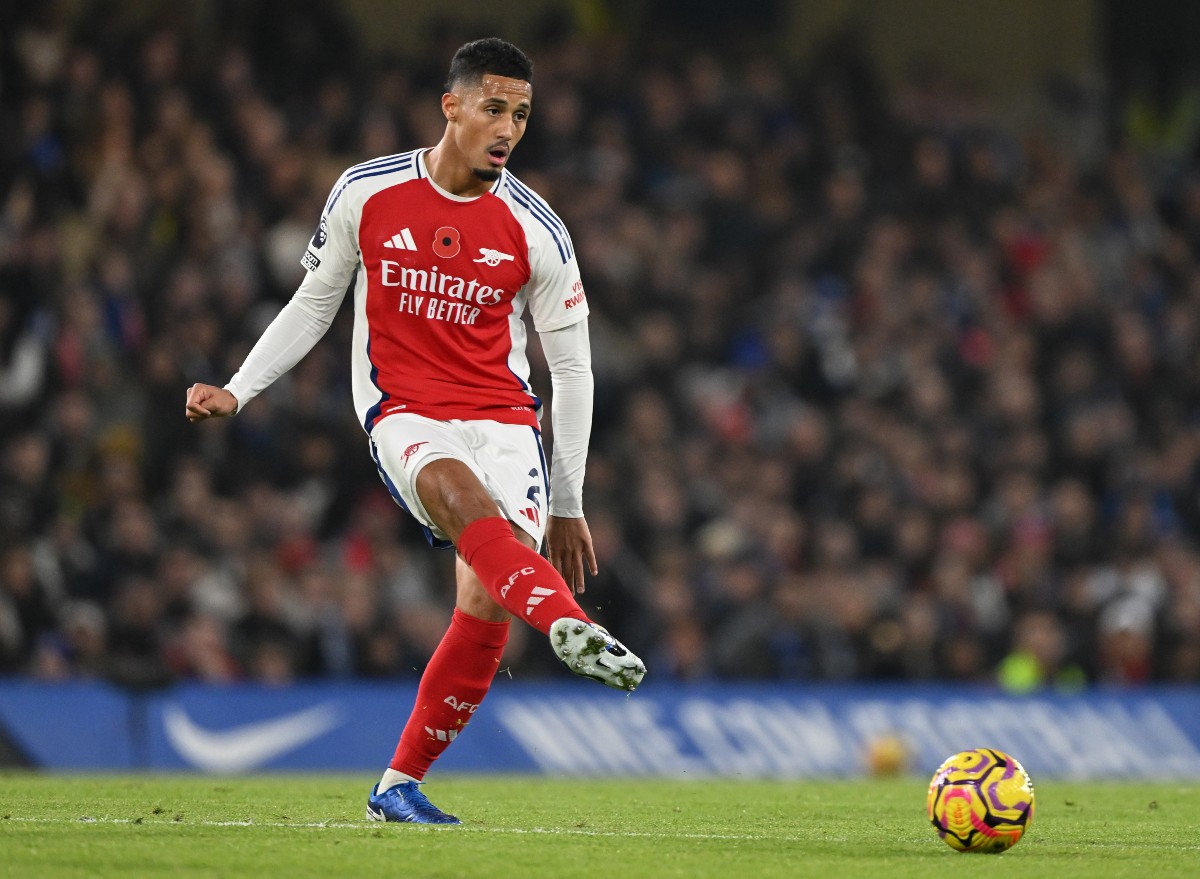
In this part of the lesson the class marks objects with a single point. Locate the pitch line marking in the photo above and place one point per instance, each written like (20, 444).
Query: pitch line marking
(548, 831)
(364, 825)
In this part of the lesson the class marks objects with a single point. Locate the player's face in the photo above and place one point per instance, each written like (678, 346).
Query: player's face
(490, 121)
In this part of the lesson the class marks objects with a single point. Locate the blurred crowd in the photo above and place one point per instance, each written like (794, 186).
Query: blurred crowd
(889, 387)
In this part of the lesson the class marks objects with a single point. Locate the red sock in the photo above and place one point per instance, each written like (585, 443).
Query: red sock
(518, 579)
(454, 683)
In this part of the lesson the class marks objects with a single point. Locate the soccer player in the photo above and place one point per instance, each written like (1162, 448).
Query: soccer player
(450, 249)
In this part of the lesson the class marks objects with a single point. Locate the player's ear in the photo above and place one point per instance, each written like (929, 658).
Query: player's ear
(450, 105)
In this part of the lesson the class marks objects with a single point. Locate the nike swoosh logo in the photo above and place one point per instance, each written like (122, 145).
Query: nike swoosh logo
(247, 746)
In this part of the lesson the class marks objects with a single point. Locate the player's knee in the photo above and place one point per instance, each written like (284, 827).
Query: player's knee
(449, 490)
(474, 600)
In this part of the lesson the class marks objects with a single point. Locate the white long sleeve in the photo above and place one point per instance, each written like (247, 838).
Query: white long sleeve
(293, 333)
(569, 356)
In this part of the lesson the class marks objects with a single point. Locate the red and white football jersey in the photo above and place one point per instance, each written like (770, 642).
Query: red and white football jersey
(442, 284)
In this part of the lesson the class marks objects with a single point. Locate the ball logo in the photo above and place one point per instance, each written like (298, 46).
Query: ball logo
(447, 242)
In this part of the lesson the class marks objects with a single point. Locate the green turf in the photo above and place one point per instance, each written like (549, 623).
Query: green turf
(285, 826)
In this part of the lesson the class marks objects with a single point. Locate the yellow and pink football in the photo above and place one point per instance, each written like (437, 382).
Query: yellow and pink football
(981, 801)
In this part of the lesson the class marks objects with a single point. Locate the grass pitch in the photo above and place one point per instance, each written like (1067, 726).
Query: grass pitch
(268, 826)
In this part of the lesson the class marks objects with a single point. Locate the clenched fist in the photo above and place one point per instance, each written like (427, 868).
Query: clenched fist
(206, 401)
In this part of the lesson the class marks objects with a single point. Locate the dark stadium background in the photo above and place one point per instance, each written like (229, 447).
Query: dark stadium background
(896, 316)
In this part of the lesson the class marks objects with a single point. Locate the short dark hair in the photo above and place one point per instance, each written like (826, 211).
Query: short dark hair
(489, 55)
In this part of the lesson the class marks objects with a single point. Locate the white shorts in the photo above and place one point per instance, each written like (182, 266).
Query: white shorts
(507, 458)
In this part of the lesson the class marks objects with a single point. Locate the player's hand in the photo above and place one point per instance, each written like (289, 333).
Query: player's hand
(569, 547)
(206, 401)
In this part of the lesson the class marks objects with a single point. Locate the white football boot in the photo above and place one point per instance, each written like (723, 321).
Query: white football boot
(588, 650)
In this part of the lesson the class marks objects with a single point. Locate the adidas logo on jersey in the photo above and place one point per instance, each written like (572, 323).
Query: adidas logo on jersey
(402, 240)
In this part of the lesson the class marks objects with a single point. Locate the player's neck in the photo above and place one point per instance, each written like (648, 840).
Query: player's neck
(450, 171)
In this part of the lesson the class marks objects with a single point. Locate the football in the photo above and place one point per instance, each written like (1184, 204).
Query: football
(981, 801)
